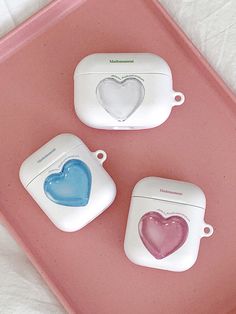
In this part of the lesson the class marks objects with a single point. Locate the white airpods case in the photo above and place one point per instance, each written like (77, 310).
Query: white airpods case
(68, 182)
(124, 91)
(165, 224)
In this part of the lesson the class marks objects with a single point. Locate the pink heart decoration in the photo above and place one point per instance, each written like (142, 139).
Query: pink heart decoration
(162, 236)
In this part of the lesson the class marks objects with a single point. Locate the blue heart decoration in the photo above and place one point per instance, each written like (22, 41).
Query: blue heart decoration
(71, 186)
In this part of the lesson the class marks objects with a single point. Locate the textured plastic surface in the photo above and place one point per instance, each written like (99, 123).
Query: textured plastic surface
(196, 144)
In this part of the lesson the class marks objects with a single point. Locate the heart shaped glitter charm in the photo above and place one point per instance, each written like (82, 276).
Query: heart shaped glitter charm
(120, 98)
(162, 236)
(71, 186)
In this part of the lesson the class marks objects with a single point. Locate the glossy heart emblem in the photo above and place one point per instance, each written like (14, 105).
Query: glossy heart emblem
(71, 186)
(162, 236)
(120, 98)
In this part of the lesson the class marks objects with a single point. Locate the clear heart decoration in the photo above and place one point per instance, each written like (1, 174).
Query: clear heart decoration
(120, 98)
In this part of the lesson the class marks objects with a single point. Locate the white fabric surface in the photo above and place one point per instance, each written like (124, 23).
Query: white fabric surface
(13, 12)
(22, 290)
(212, 27)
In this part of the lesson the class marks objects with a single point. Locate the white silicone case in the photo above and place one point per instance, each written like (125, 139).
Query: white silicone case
(168, 208)
(124, 91)
(68, 182)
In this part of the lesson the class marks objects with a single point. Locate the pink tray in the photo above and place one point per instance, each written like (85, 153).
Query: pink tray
(32, 27)
(88, 270)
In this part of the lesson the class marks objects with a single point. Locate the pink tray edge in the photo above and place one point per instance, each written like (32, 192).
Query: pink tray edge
(35, 25)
